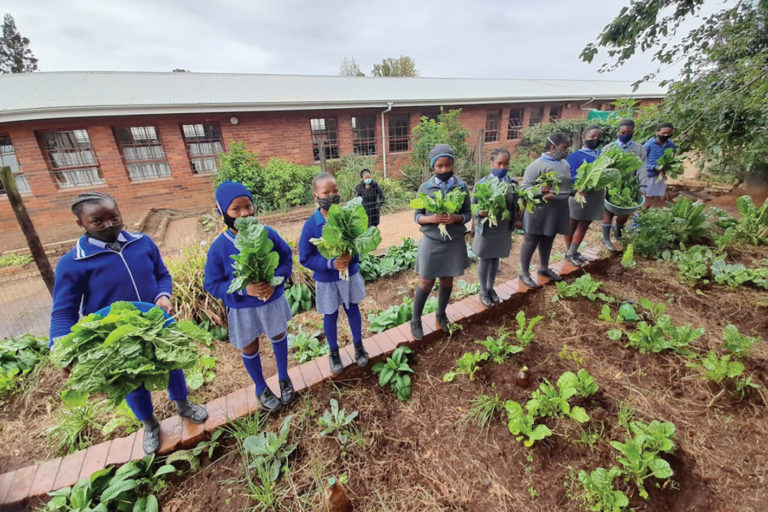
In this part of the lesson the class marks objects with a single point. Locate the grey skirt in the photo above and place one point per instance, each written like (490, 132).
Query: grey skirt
(247, 324)
(656, 187)
(593, 209)
(549, 219)
(330, 296)
(493, 242)
(442, 258)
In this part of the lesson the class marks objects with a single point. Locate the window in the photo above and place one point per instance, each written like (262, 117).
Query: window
(71, 158)
(324, 128)
(203, 141)
(555, 113)
(398, 132)
(515, 124)
(364, 129)
(142, 152)
(492, 125)
(8, 159)
(537, 114)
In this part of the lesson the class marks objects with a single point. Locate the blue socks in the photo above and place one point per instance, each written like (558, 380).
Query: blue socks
(140, 402)
(355, 323)
(280, 348)
(331, 330)
(252, 363)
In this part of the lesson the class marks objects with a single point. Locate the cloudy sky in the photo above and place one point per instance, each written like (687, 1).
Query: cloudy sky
(482, 38)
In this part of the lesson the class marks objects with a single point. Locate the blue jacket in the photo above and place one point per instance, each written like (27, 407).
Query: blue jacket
(580, 156)
(322, 268)
(90, 277)
(656, 151)
(219, 271)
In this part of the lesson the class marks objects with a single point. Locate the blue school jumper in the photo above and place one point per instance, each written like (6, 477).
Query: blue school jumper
(580, 156)
(309, 256)
(654, 150)
(91, 277)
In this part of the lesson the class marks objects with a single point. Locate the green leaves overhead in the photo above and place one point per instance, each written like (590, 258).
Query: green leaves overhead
(441, 205)
(256, 262)
(124, 350)
(491, 197)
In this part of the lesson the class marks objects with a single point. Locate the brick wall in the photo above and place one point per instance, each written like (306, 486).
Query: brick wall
(271, 134)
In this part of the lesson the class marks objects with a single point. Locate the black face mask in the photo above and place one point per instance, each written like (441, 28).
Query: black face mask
(592, 143)
(229, 221)
(325, 203)
(107, 235)
(445, 176)
(663, 138)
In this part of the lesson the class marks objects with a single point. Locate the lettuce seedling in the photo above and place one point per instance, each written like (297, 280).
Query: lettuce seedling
(524, 332)
(599, 493)
(498, 349)
(521, 424)
(468, 365)
(716, 368)
(737, 344)
(584, 286)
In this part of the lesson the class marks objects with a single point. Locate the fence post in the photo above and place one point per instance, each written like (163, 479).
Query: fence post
(479, 155)
(33, 241)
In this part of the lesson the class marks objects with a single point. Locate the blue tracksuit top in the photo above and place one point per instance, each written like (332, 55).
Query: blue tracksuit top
(90, 277)
(322, 268)
(580, 156)
(219, 271)
(656, 151)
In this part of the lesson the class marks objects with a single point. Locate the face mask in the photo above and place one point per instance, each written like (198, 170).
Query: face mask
(625, 138)
(592, 144)
(444, 177)
(367, 181)
(107, 235)
(499, 173)
(663, 138)
(558, 154)
(325, 203)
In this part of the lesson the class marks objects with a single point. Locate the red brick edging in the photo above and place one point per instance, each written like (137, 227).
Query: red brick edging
(16, 487)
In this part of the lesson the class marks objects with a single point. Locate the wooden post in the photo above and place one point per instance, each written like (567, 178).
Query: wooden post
(321, 149)
(479, 155)
(33, 241)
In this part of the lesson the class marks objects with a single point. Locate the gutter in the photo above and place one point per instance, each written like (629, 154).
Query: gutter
(384, 138)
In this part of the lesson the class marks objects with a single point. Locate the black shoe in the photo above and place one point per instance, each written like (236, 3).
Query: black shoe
(492, 294)
(443, 321)
(151, 441)
(573, 260)
(361, 356)
(286, 391)
(486, 300)
(269, 402)
(417, 330)
(609, 245)
(582, 258)
(554, 276)
(193, 412)
(528, 281)
(335, 361)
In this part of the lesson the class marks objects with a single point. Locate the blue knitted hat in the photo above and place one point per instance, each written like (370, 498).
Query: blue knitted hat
(227, 192)
(440, 150)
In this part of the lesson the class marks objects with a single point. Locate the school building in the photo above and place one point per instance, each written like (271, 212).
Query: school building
(151, 139)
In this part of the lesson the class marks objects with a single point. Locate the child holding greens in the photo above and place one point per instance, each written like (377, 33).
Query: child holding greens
(442, 253)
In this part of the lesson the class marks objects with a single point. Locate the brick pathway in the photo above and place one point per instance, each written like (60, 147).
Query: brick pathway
(16, 487)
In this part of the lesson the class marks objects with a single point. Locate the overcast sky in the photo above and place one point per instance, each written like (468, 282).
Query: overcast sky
(481, 38)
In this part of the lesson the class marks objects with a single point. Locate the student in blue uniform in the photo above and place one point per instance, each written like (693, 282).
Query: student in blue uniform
(655, 148)
(440, 257)
(332, 292)
(624, 141)
(109, 264)
(259, 309)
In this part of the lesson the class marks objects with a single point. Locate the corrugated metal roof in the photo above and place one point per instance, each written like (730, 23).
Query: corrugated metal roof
(80, 94)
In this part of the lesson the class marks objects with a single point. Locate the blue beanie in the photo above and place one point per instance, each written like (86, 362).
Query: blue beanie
(227, 191)
(440, 150)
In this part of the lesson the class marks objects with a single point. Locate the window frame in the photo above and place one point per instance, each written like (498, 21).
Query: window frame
(155, 163)
(396, 140)
(203, 157)
(22, 185)
(491, 133)
(559, 116)
(538, 119)
(71, 176)
(330, 144)
(363, 138)
(515, 129)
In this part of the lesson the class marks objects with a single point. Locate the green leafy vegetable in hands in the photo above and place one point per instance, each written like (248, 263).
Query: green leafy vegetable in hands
(491, 197)
(346, 231)
(527, 200)
(595, 175)
(670, 165)
(549, 179)
(440, 205)
(124, 350)
(256, 262)
(624, 190)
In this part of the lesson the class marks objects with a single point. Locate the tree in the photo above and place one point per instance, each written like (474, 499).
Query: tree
(718, 102)
(349, 67)
(15, 55)
(400, 66)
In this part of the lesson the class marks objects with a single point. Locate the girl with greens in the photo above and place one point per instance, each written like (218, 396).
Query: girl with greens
(440, 256)
(493, 242)
(331, 291)
(260, 308)
(109, 264)
(550, 218)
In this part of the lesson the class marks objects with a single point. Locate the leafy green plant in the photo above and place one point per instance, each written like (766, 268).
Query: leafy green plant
(18, 356)
(623, 190)
(305, 346)
(599, 492)
(369, 267)
(77, 426)
(528, 199)
(663, 335)
(734, 275)
(584, 286)
(522, 424)
(692, 263)
(716, 368)
(549, 179)
(192, 456)
(498, 349)
(394, 372)
(491, 197)
(124, 350)
(484, 408)
(655, 229)
(299, 297)
(595, 175)
(736, 343)
(346, 231)
(441, 205)
(466, 289)
(468, 365)
(256, 262)
(551, 400)
(403, 256)
(268, 452)
(669, 164)
(639, 454)
(654, 310)
(13, 260)
(628, 258)
(335, 421)
(751, 228)
(286, 184)
(524, 331)
(397, 314)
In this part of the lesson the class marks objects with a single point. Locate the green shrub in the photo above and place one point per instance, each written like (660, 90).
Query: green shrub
(239, 164)
(287, 184)
(189, 298)
(656, 229)
(347, 171)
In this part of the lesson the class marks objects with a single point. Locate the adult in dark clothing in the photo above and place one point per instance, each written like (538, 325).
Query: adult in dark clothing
(373, 196)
